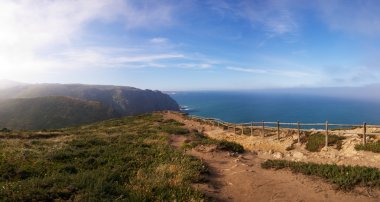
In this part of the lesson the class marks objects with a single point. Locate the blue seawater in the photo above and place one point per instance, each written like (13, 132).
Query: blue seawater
(242, 107)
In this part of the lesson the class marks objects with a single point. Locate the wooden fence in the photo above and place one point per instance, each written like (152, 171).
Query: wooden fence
(298, 126)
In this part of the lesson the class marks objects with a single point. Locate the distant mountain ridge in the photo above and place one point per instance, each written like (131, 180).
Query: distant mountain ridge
(124, 100)
(119, 100)
(8, 84)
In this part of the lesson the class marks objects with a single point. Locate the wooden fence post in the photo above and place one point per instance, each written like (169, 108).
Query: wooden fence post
(364, 133)
(242, 129)
(263, 131)
(299, 131)
(278, 130)
(251, 128)
(234, 128)
(327, 134)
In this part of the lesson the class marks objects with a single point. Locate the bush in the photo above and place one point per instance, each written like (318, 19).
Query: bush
(316, 142)
(200, 139)
(175, 130)
(346, 177)
(230, 146)
(373, 147)
(6, 130)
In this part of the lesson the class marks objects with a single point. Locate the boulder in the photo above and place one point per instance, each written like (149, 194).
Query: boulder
(278, 155)
(298, 155)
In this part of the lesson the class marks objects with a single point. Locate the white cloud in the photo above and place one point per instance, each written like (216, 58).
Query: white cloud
(285, 17)
(286, 73)
(102, 57)
(36, 35)
(199, 65)
(148, 13)
(159, 40)
(360, 17)
(248, 70)
(275, 17)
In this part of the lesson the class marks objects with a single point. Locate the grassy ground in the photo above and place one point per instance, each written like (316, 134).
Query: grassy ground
(196, 138)
(345, 177)
(315, 142)
(372, 146)
(125, 159)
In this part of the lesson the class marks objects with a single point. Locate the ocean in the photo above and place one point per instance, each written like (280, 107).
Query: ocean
(243, 107)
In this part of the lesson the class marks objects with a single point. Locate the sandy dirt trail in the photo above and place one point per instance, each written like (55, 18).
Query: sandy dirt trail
(241, 178)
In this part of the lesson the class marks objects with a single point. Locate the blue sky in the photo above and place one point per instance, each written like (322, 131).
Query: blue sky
(191, 44)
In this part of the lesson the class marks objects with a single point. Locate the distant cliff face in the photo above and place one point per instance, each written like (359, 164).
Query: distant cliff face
(49, 106)
(123, 100)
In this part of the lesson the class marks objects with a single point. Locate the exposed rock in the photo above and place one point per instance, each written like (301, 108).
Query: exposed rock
(278, 155)
(297, 155)
(348, 147)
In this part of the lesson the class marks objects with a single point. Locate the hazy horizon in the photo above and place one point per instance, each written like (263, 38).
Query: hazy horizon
(11, 83)
(191, 45)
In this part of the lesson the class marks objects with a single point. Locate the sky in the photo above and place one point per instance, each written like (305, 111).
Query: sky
(191, 44)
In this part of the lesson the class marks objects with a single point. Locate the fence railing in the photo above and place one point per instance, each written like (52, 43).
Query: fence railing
(298, 127)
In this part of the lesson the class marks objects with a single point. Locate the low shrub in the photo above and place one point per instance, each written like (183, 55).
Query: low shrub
(200, 139)
(345, 177)
(173, 127)
(6, 130)
(373, 147)
(230, 146)
(175, 130)
(316, 142)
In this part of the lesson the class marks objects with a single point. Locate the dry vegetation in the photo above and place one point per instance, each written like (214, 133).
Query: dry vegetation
(372, 146)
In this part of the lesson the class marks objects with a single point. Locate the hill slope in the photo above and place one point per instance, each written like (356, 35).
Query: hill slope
(51, 112)
(124, 100)
(127, 159)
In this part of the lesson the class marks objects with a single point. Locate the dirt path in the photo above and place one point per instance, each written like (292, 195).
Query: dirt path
(241, 178)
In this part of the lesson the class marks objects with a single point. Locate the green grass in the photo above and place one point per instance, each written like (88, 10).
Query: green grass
(315, 142)
(51, 113)
(173, 127)
(125, 159)
(345, 177)
(197, 138)
(372, 146)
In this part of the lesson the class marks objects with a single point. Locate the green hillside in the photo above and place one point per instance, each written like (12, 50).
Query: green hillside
(126, 159)
(122, 99)
(50, 112)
